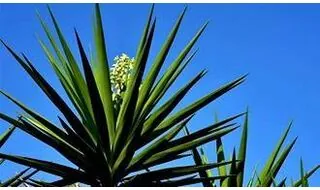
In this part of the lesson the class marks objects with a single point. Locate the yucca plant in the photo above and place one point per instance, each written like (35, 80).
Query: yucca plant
(265, 178)
(18, 179)
(115, 138)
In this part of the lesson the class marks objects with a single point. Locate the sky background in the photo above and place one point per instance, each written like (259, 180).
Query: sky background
(277, 44)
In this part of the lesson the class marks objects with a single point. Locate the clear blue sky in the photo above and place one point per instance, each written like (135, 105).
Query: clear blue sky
(278, 44)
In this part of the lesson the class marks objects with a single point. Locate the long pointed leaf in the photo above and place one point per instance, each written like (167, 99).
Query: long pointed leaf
(101, 72)
(232, 181)
(49, 167)
(189, 145)
(198, 161)
(156, 66)
(274, 154)
(305, 182)
(267, 180)
(5, 136)
(194, 107)
(242, 152)
(307, 175)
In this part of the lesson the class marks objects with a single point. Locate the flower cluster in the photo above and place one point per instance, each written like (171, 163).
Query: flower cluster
(119, 74)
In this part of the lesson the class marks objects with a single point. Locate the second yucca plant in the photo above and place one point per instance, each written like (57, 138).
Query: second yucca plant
(267, 177)
(118, 133)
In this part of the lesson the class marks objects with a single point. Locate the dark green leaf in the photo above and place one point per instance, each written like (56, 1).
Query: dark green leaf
(198, 161)
(4, 137)
(242, 152)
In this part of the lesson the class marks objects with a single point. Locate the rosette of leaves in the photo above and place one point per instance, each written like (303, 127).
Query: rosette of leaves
(118, 147)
